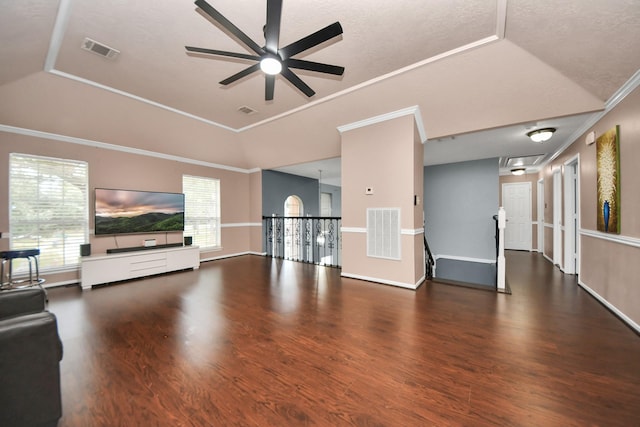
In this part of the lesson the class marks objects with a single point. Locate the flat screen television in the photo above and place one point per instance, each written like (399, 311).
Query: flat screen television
(130, 212)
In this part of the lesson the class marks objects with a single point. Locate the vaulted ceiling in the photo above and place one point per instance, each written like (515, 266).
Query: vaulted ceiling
(481, 72)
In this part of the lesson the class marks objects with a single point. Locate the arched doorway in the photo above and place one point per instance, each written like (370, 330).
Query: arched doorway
(293, 230)
(293, 206)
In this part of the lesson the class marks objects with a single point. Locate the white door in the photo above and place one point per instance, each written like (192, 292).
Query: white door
(571, 216)
(557, 215)
(541, 216)
(516, 200)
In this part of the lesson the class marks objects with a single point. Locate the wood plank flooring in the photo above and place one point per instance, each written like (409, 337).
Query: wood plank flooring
(252, 341)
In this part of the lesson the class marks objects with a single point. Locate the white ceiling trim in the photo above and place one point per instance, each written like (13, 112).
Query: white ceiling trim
(615, 99)
(64, 12)
(415, 110)
(501, 18)
(452, 52)
(107, 146)
(632, 84)
(57, 36)
(139, 98)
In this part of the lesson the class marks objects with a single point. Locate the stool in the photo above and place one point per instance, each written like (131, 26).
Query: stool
(8, 282)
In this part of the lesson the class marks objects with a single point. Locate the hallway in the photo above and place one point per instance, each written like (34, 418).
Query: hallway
(254, 341)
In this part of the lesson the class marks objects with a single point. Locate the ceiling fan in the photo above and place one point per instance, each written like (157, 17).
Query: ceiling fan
(271, 58)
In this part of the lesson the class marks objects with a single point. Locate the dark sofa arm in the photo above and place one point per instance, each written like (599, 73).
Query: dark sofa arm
(30, 352)
(21, 301)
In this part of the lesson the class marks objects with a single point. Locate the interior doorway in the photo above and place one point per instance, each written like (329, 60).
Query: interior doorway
(293, 206)
(516, 200)
(557, 218)
(293, 232)
(571, 215)
(540, 216)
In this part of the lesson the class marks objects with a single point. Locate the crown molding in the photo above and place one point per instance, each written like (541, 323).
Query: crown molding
(629, 86)
(415, 111)
(57, 36)
(114, 147)
(501, 18)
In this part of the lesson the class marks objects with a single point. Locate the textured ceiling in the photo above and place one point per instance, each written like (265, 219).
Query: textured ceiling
(482, 71)
(152, 36)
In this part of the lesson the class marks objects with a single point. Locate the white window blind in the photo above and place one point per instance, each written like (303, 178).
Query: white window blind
(49, 208)
(202, 210)
(325, 204)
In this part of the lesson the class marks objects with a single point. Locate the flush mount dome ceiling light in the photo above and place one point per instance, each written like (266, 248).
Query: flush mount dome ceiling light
(518, 171)
(271, 58)
(541, 135)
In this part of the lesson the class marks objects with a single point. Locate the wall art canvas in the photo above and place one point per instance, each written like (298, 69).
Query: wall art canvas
(608, 165)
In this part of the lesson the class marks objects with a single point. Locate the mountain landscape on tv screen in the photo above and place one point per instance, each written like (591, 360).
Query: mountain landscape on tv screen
(145, 223)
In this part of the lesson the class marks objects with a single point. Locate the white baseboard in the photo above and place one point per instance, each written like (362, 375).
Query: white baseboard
(60, 284)
(463, 258)
(231, 256)
(611, 307)
(383, 281)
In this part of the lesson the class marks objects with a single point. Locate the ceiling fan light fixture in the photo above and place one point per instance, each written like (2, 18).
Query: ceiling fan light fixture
(541, 135)
(272, 58)
(270, 66)
(518, 171)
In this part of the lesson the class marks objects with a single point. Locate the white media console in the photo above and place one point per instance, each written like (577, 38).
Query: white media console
(98, 269)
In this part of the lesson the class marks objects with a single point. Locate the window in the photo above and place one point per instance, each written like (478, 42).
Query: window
(202, 210)
(49, 208)
(325, 204)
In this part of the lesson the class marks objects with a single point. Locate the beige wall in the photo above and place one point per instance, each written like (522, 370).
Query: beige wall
(386, 157)
(240, 192)
(609, 263)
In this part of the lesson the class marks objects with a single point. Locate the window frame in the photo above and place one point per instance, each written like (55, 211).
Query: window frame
(210, 219)
(59, 245)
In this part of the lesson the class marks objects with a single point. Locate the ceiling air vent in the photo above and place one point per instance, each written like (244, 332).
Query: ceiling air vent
(247, 110)
(99, 48)
(533, 160)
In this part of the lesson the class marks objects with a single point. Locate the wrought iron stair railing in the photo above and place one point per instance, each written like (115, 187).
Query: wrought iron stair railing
(315, 240)
(430, 262)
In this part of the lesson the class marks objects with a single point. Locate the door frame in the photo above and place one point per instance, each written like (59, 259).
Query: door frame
(557, 217)
(572, 215)
(540, 219)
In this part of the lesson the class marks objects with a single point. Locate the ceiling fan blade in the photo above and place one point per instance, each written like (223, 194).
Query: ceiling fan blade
(222, 53)
(269, 87)
(297, 82)
(272, 28)
(241, 74)
(314, 66)
(217, 16)
(320, 36)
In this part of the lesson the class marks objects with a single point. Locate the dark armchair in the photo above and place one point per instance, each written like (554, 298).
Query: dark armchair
(30, 354)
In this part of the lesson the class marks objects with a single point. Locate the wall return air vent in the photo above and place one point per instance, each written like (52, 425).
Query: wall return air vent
(383, 233)
(99, 48)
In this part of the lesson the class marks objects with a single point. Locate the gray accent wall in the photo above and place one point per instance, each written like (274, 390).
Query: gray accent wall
(277, 186)
(460, 200)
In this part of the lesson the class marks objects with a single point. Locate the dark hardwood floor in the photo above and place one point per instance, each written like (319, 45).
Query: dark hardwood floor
(252, 341)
